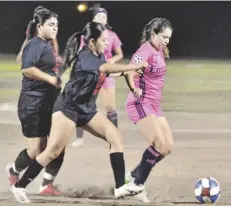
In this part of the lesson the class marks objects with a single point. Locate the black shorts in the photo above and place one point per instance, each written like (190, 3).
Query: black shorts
(79, 114)
(35, 112)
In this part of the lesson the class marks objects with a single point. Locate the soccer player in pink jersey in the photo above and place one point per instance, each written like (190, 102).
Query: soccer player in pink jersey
(143, 104)
(107, 92)
(54, 42)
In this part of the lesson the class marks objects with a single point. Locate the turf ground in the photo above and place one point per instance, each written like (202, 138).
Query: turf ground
(197, 104)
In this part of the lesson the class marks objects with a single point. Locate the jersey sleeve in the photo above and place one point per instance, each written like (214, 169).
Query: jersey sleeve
(140, 55)
(31, 55)
(116, 43)
(89, 62)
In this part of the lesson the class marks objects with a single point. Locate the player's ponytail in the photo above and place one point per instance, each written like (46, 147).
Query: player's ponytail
(32, 27)
(92, 30)
(72, 49)
(146, 34)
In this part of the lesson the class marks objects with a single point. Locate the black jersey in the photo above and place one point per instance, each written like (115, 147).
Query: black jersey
(86, 80)
(78, 100)
(38, 53)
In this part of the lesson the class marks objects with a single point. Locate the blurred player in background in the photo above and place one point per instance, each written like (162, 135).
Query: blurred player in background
(76, 106)
(54, 42)
(113, 54)
(143, 108)
(40, 88)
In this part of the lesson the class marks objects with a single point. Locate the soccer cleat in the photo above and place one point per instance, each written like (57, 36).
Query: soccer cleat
(129, 189)
(49, 190)
(78, 143)
(143, 196)
(134, 189)
(121, 192)
(12, 178)
(20, 194)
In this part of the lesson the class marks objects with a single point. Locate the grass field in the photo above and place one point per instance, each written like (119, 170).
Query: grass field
(191, 85)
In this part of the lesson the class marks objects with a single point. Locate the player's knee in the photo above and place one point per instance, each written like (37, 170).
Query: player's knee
(33, 151)
(159, 144)
(169, 146)
(110, 107)
(54, 153)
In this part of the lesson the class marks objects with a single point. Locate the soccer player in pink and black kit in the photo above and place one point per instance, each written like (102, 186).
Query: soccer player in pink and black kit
(143, 104)
(107, 92)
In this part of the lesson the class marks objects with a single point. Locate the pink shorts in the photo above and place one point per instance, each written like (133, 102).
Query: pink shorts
(109, 82)
(137, 111)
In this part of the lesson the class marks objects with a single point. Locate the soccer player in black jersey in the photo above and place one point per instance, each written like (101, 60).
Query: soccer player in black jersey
(40, 88)
(76, 106)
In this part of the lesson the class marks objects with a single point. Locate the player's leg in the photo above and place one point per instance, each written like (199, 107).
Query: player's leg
(29, 116)
(79, 141)
(61, 130)
(107, 95)
(167, 132)
(52, 169)
(34, 146)
(103, 128)
(151, 128)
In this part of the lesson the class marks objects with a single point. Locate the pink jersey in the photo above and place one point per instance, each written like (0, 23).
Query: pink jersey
(113, 43)
(152, 81)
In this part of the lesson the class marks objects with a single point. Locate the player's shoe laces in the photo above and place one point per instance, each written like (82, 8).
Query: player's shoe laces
(143, 196)
(49, 190)
(12, 178)
(20, 194)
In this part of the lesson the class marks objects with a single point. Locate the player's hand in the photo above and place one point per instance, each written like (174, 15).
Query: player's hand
(138, 72)
(144, 64)
(56, 82)
(137, 92)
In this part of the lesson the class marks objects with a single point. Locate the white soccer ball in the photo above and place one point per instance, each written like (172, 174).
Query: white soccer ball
(207, 190)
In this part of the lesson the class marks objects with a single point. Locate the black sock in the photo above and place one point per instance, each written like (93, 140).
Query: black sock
(135, 171)
(113, 117)
(30, 174)
(118, 166)
(79, 132)
(149, 159)
(22, 162)
(52, 169)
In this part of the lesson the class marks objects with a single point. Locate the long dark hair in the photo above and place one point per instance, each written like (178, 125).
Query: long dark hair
(92, 30)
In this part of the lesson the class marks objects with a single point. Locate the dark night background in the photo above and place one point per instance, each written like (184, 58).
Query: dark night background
(201, 29)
